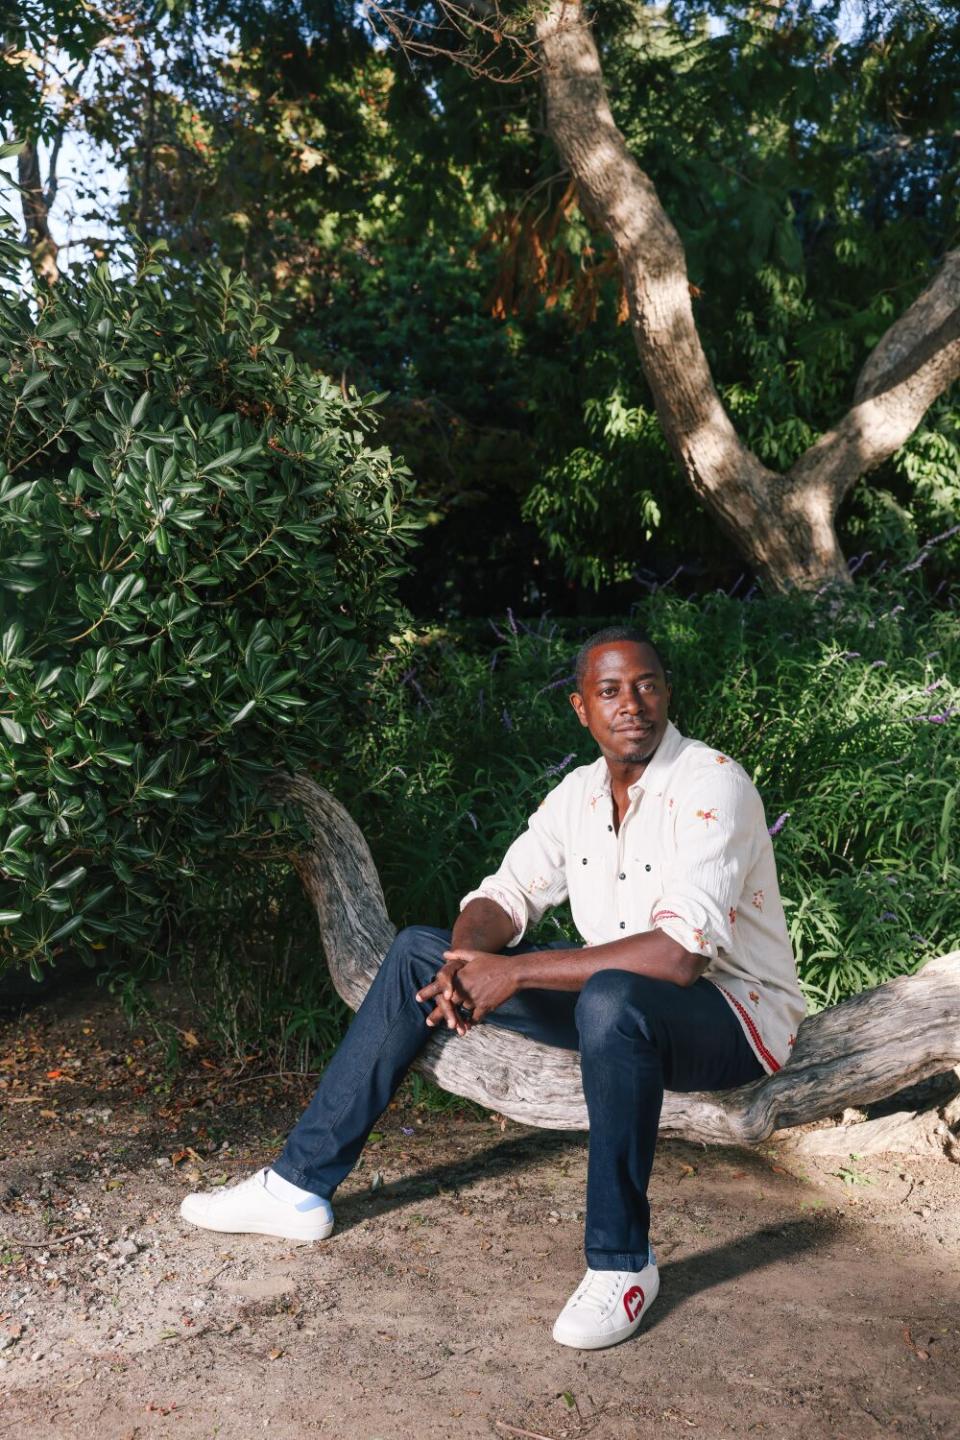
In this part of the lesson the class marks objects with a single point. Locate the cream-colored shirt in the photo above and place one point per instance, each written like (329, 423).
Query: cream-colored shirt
(693, 857)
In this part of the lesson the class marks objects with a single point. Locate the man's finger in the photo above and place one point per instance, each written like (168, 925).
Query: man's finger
(444, 1010)
(440, 985)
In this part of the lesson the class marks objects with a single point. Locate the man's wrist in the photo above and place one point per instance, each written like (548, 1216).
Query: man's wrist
(529, 969)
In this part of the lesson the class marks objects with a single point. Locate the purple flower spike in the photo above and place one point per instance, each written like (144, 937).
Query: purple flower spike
(473, 819)
(407, 1130)
(564, 680)
(877, 664)
(779, 823)
(850, 655)
(506, 720)
(510, 620)
(888, 915)
(561, 764)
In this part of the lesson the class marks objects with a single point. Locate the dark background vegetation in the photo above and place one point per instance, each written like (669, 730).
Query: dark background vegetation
(335, 266)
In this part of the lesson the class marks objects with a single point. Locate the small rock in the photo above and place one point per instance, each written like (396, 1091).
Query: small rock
(163, 1161)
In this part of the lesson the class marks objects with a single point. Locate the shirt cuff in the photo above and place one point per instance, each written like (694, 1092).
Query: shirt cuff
(507, 903)
(695, 939)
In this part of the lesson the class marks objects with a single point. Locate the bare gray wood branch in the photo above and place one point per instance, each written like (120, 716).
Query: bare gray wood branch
(860, 1051)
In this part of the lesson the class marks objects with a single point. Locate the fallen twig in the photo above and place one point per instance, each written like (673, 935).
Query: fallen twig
(45, 1244)
(246, 1079)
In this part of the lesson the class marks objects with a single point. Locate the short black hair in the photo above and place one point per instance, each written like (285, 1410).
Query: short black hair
(613, 635)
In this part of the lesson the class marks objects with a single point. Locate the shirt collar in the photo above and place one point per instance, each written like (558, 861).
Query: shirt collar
(654, 778)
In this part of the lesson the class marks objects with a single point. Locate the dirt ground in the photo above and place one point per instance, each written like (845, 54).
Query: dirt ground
(799, 1297)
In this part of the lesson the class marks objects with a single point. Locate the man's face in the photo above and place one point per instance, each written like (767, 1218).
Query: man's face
(623, 701)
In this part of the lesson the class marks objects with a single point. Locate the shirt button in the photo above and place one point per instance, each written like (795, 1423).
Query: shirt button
(623, 875)
(623, 924)
(609, 827)
(646, 867)
(584, 859)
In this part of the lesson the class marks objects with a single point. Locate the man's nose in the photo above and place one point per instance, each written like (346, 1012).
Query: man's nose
(632, 703)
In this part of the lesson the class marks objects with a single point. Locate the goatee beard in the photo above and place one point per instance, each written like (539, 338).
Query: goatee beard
(636, 757)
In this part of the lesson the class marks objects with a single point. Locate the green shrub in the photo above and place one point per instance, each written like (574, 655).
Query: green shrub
(198, 552)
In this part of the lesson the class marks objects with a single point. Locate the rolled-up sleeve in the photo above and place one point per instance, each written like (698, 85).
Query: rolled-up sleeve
(719, 818)
(532, 876)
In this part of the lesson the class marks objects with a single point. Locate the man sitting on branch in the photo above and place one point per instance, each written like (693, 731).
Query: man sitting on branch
(685, 979)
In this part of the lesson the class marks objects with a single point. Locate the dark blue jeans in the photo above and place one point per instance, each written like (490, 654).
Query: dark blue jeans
(636, 1036)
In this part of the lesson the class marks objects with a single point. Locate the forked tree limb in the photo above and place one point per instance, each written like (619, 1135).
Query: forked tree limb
(783, 524)
(860, 1051)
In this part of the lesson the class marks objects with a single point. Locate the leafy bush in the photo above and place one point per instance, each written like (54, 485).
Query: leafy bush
(198, 550)
(845, 712)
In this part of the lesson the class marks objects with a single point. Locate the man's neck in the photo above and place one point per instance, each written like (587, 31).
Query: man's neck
(623, 775)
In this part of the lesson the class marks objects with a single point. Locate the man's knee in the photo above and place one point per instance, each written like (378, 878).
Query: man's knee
(617, 1003)
(418, 949)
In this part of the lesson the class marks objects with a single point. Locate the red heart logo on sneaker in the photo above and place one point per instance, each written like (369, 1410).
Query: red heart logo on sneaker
(633, 1302)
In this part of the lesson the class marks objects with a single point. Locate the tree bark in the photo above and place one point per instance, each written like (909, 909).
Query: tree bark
(784, 525)
(860, 1051)
(36, 216)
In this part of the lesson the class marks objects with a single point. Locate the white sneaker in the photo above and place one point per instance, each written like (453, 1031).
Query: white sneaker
(250, 1209)
(607, 1307)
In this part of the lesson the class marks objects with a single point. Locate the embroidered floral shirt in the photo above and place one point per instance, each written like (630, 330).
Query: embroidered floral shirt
(692, 857)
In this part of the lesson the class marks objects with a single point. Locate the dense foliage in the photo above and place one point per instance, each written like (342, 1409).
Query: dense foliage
(416, 220)
(201, 553)
(198, 549)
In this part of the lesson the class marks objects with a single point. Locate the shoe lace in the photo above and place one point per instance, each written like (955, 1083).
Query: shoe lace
(599, 1290)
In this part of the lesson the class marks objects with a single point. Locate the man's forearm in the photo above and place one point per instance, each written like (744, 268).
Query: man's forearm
(482, 925)
(651, 953)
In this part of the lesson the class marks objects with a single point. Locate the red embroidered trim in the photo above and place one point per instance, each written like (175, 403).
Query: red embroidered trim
(754, 1032)
(666, 915)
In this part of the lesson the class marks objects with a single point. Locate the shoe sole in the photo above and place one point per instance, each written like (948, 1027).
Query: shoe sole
(253, 1227)
(596, 1342)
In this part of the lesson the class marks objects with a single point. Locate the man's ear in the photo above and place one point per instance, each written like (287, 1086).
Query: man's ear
(577, 704)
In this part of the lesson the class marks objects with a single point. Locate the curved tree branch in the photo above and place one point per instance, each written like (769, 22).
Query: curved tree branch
(861, 1050)
(783, 524)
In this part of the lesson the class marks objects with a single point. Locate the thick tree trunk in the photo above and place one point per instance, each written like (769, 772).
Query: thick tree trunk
(782, 524)
(861, 1051)
(36, 216)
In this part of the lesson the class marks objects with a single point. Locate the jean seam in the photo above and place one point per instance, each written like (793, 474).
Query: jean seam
(617, 1259)
(297, 1177)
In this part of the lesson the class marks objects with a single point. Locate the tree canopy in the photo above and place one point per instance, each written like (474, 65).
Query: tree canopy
(426, 236)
